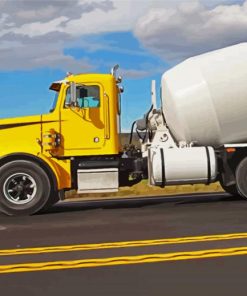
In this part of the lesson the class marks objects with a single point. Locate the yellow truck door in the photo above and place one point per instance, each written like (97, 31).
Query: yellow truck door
(84, 124)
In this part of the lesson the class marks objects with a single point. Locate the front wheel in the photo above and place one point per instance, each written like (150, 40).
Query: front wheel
(24, 188)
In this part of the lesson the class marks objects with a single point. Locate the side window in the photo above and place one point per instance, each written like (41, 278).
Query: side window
(87, 96)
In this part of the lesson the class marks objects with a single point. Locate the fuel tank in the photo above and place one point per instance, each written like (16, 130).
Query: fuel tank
(205, 97)
(174, 166)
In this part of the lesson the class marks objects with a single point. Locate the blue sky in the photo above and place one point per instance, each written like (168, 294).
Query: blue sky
(26, 92)
(41, 40)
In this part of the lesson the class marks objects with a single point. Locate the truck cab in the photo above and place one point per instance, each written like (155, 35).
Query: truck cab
(87, 108)
(74, 146)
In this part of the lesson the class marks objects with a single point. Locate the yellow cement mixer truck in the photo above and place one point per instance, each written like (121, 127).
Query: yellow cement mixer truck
(198, 135)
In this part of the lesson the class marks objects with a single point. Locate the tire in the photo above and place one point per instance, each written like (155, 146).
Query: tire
(230, 189)
(53, 199)
(24, 188)
(241, 178)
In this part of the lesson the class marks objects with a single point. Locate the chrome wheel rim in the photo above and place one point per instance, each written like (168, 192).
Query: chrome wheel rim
(20, 188)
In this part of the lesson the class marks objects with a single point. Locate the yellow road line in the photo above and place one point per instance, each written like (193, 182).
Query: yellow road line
(125, 244)
(126, 260)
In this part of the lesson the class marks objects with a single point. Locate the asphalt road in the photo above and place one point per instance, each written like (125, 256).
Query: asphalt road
(191, 245)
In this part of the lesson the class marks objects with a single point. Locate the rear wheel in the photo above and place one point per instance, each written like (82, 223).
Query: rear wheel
(241, 178)
(232, 189)
(24, 188)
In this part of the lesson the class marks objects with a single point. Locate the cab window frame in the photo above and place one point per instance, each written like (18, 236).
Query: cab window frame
(92, 97)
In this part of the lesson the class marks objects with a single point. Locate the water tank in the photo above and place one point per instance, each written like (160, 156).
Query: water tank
(205, 97)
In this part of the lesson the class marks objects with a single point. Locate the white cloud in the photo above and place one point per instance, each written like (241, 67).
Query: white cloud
(192, 28)
(38, 28)
(122, 18)
(26, 26)
(144, 70)
(34, 33)
(21, 57)
(134, 73)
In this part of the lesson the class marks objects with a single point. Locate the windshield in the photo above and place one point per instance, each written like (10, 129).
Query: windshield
(54, 102)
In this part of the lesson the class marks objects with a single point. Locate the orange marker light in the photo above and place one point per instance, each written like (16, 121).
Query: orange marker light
(230, 150)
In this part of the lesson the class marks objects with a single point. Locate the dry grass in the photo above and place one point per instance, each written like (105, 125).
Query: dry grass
(142, 189)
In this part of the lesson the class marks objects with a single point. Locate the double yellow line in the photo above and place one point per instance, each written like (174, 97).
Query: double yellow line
(122, 260)
(125, 244)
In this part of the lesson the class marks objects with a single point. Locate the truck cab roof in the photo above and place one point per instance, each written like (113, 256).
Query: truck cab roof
(81, 78)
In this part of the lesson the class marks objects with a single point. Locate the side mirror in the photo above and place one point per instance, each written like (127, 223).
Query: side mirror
(73, 97)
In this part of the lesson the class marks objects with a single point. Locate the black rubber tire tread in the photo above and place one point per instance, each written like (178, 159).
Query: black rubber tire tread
(53, 199)
(43, 188)
(241, 178)
(230, 189)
